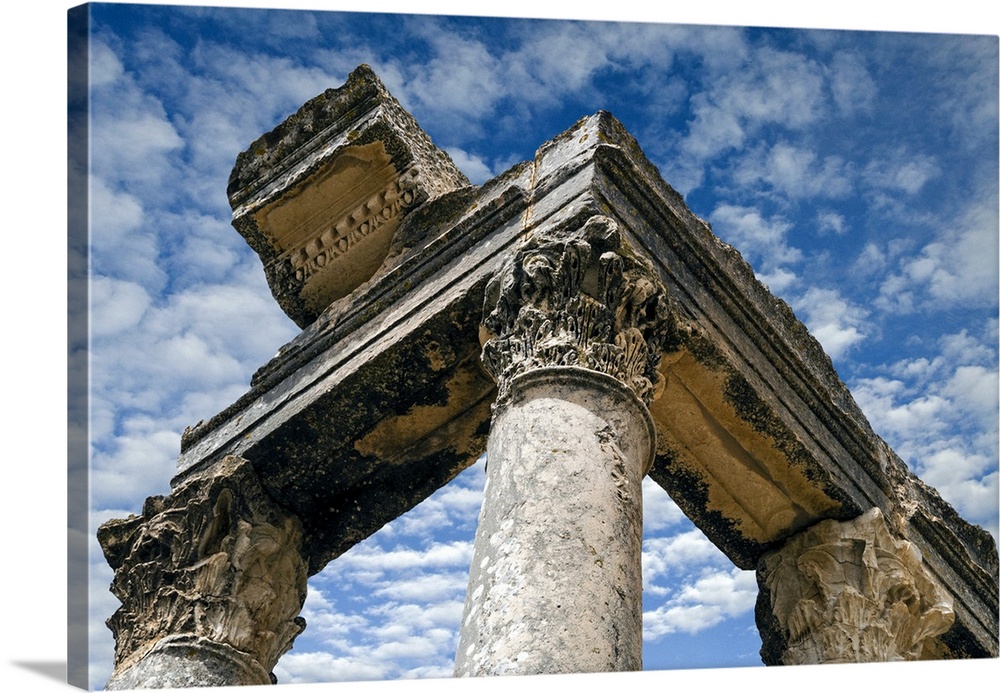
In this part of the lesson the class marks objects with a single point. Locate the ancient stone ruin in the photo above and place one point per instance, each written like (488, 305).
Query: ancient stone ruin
(573, 319)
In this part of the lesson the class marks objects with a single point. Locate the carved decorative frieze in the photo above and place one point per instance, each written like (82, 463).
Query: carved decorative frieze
(577, 297)
(319, 197)
(345, 233)
(849, 592)
(214, 560)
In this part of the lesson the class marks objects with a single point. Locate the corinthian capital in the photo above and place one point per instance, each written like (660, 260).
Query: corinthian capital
(216, 565)
(577, 297)
(848, 592)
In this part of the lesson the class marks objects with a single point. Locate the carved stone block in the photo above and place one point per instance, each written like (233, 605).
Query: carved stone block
(320, 196)
(213, 571)
(849, 592)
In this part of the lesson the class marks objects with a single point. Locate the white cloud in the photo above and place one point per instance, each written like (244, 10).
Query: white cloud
(115, 306)
(439, 617)
(437, 555)
(658, 510)
(712, 598)
(462, 81)
(901, 171)
(795, 172)
(131, 137)
(835, 322)
(764, 241)
(779, 280)
(323, 619)
(831, 222)
(561, 58)
(473, 166)
(870, 261)
(967, 104)
(974, 390)
(940, 415)
(123, 244)
(105, 67)
(141, 464)
(675, 554)
(854, 89)
(963, 265)
(218, 315)
(116, 214)
(771, 88)
(959, 267)
(318, 667)
(426, 588)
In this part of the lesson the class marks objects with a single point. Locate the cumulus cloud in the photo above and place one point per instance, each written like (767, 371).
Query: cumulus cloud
(853, 87)
(377, 560)
(764, 241)
(901, 171)
(140, 464)
(318, 667)
(773, 88)
(132, 139)
(658, 510)
(940, 415)
(115, 305)
(677, 554)
(703, 603)
(123, 244)
(831, 222)
(473, 166)
(838, 324)
(427, 587)
(462, 81)
(958, 267)
(795, 172)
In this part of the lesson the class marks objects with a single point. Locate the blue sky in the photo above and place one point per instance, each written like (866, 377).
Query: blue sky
(855, 171)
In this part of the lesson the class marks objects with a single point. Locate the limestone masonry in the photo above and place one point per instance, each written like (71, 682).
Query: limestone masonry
(574, 320)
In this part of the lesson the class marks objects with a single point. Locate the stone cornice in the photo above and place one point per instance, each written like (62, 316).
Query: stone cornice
(320, 197)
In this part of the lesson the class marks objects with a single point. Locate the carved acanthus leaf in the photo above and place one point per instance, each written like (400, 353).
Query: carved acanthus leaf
(850, 592)
(577, 297)
(215, 559)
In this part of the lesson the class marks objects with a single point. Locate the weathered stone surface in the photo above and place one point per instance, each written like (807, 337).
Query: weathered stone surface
(382, 398)
(574, 327)
(189, 661)
(211, 581)
(849, 592)
(320, 197)
(577, 297)
(556, 578)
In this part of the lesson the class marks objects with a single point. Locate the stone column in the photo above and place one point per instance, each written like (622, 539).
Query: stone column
(573, 331)
(211, 580)
(849, 592)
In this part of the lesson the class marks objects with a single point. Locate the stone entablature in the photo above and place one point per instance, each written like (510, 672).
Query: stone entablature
(757, 437)
(320, 197)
